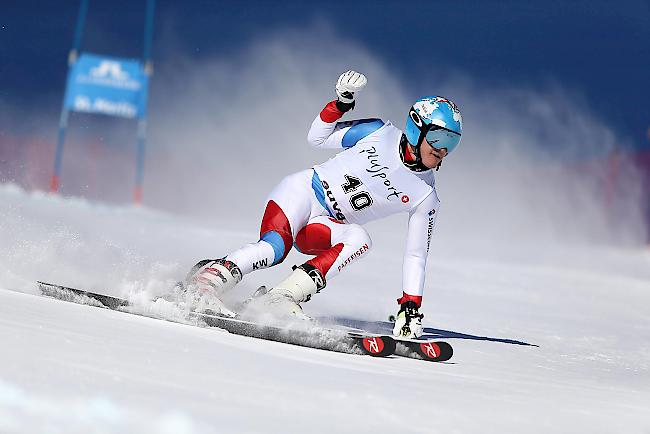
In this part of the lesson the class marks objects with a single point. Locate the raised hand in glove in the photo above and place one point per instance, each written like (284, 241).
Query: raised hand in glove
(348, 83)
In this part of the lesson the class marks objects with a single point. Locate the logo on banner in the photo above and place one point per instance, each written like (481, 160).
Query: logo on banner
(109, 73)
(109, 68)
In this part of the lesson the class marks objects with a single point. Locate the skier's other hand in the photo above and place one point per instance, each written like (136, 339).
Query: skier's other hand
(408, 323)
(414, 329)
(348, 83)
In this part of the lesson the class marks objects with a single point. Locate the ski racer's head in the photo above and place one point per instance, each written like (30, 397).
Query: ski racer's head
(433, 127)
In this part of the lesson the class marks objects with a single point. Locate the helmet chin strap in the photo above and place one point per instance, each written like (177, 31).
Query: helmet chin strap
(412, 160)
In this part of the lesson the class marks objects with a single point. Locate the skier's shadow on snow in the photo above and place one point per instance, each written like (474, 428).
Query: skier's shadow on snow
(387, 327)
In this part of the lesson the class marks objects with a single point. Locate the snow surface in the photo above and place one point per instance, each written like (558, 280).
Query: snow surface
(68, 368)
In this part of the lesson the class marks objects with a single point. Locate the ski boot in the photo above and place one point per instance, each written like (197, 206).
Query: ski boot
(283, 301)
(206, 283)
(408, 323)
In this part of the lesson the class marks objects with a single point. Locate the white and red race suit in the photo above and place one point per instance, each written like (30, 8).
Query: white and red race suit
(321, 210)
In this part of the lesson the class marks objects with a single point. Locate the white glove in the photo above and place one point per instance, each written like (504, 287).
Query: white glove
(348, 83)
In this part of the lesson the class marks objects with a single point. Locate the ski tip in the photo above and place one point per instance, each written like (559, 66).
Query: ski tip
(434, 351)
(67, 293)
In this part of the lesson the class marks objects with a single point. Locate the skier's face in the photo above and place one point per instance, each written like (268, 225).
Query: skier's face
(431, 156)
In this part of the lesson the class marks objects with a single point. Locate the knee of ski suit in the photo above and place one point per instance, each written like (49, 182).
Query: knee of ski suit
(276, 230)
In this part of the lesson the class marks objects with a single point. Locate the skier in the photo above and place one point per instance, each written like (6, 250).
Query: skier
(380, 171)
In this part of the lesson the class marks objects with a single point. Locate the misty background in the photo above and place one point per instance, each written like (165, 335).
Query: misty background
(553, 97)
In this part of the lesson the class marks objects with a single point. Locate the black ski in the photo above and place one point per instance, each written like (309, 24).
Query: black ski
(376, 345)
(372, 344)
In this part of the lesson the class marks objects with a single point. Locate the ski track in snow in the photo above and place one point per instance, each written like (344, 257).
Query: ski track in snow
(68, 368)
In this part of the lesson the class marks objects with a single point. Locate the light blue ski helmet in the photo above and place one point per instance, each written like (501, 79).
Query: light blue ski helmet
(436, 118)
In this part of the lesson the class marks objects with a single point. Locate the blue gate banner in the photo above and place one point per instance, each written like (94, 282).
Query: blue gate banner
(107, 85)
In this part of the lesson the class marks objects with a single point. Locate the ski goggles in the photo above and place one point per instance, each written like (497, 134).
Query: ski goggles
(438, 137)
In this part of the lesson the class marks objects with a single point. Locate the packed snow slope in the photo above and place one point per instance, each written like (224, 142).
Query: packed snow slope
(67, 368)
